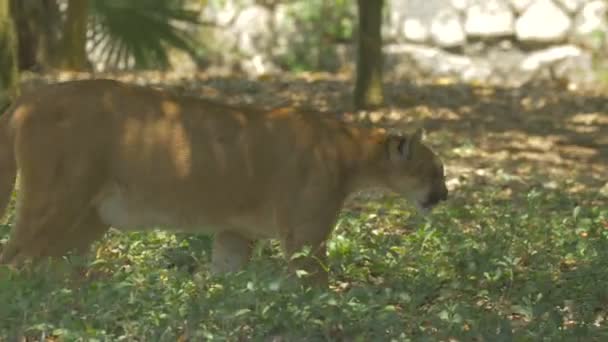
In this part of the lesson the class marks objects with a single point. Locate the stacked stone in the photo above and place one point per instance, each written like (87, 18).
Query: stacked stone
(528, 36)
(449, 23)
(499, 41)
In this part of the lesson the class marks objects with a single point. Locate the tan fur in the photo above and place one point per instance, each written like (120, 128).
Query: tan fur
(99, 153)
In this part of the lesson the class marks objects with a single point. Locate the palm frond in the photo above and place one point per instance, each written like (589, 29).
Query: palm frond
(137, 34)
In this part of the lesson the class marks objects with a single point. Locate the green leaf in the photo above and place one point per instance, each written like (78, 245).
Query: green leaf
(138, 33)
(241, 312)
(301, 273)
(576, 212)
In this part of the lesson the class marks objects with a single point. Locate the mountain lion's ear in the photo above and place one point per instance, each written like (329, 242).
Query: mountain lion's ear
(402, 147)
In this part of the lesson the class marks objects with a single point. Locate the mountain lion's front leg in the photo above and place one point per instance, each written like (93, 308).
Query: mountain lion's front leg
(231, 252)
(304, 245)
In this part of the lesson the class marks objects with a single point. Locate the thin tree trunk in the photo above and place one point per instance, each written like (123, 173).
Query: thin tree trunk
(50, 44)
(24, 20)
(368, 87)
(37, 26)
(75, 35)
(8, 56)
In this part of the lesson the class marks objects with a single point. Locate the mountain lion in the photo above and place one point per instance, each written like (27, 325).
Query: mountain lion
(97, 154)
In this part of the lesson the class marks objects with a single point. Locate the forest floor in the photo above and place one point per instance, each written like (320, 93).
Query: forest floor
(520, 251)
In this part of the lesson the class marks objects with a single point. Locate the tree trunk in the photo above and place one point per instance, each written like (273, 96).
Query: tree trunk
(75, 35)
(25, 20)
(368, 87)
(8, 56)
(37, 26)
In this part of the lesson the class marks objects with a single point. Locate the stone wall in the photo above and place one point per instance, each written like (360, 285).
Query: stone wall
(449, 23)
(499, 41)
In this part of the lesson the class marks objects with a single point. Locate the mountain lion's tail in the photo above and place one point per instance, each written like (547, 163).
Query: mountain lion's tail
(8, 165)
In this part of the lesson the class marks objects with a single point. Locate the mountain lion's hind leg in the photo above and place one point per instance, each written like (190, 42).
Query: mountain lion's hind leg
(43, 230)
(51, 208)
(230, 253)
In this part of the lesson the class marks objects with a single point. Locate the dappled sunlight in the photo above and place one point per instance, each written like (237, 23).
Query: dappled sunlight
(590, 119)
(170, 133)
(521, 242)
(537, 131)
(436, 170)
(170, 109)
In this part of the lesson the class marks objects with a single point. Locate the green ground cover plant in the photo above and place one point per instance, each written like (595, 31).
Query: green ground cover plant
(519, 252)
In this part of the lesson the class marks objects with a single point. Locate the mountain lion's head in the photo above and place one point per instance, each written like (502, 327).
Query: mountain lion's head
(415, 171)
